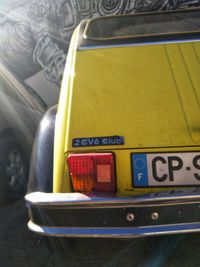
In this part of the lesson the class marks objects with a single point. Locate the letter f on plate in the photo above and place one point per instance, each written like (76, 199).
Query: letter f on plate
(140, 175)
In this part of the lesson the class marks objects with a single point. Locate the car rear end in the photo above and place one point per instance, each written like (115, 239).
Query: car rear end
(127, 141)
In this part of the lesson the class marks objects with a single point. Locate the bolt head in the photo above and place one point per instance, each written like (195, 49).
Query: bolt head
(154, 215)
(130, 217)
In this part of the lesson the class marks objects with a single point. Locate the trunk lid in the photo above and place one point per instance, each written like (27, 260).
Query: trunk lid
(148, 94)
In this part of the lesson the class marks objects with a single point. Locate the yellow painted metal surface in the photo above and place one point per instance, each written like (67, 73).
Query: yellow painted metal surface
(60, 181)
(149, 94)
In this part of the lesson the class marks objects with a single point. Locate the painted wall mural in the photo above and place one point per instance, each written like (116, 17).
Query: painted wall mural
(35, 34)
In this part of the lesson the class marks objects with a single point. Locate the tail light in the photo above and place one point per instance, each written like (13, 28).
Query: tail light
(92, 172)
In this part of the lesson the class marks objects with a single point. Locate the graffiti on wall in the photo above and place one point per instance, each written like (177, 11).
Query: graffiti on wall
(35, 34)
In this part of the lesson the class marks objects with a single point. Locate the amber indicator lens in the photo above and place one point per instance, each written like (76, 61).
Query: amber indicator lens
(92, 172)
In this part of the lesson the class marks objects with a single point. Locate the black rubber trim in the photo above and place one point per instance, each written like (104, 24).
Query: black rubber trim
(112, 216)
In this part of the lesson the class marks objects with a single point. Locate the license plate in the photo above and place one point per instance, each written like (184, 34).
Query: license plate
(166, 169)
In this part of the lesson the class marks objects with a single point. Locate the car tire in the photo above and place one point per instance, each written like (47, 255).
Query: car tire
(13, 170)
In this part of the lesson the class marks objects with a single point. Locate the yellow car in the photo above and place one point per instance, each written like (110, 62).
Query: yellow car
(124, 159)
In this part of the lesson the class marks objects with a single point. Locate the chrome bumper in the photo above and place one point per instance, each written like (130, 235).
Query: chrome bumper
(79, 215)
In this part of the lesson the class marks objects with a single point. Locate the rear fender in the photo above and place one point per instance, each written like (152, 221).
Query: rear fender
(41, 166)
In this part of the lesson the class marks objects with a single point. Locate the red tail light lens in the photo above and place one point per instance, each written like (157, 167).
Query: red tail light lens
(92, 172)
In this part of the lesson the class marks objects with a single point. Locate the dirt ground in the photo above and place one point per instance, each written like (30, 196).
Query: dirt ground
(19, 247)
